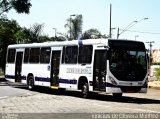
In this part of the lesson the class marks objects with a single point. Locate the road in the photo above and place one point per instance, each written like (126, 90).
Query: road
(17, 99)
(9, 89)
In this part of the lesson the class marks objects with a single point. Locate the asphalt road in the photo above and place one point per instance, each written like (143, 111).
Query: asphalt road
(17, 98)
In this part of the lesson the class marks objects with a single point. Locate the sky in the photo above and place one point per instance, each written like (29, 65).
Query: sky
(96, 14)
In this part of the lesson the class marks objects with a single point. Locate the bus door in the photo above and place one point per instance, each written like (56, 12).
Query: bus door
(18, 66)
(99, 72)
(55, 62)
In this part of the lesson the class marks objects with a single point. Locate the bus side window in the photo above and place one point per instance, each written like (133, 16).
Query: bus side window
(11, 55)
(34, 55)
(45, 55)
(71, 54)
(85, 54)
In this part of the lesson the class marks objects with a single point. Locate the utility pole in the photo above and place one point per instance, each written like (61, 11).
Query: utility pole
(150, 54)
(110, 27)
(118, 33)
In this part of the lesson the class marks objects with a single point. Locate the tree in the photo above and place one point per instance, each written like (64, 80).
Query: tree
(74, 27)
(92, 33)
(21, 6)
(33, 34)
(8, 31)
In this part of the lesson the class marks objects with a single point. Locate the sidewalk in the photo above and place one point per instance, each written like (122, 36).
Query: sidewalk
(155, 84)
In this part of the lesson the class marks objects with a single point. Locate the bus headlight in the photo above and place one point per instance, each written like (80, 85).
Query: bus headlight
(112, 80)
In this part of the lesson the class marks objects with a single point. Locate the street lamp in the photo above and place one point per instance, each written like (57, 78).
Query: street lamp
(129, 26)
(55, 32)
(70, 23)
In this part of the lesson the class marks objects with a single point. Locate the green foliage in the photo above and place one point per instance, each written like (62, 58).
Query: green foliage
(8, 31)
(157, 73)
(91, 33)
(21, 6)
(156, 63)
(1, 72)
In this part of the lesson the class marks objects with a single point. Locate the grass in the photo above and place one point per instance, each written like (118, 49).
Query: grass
(1, 72)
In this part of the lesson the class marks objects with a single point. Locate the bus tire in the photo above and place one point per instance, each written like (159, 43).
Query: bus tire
(85, 90)
(117, 95)
(30, 83)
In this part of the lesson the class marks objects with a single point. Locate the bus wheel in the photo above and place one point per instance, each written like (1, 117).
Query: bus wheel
(30, 83)
(85, 90)
(117, 95)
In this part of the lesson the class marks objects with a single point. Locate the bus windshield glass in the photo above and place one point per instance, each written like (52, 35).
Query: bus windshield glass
(128, 61)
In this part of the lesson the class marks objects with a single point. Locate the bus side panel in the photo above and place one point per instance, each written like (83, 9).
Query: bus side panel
(40, 72)
(70, 74)
(10, 72)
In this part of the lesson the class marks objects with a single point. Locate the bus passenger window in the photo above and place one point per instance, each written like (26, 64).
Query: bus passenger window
(71, 54)
(85, 54)
(34, 55)
(11, 55)
(45, 55)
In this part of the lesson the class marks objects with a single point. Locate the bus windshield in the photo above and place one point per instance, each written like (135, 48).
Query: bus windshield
(128, 65)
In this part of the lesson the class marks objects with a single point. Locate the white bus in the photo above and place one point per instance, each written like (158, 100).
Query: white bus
(95, 65)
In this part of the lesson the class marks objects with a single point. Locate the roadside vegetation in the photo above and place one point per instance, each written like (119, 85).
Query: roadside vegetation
(157, 73)
(1, 72)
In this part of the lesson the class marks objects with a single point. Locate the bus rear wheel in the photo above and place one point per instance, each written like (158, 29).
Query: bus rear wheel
(30, 83)
(85, 90)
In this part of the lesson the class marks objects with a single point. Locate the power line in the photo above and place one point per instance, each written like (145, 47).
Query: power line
(141, 32)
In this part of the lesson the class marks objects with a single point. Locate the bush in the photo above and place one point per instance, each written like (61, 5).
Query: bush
(157, 73)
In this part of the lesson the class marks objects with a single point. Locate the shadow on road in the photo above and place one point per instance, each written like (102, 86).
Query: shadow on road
(100, 97)
(123, 99)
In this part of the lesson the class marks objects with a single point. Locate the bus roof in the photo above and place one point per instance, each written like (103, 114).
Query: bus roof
(61, 43)
(67, 43)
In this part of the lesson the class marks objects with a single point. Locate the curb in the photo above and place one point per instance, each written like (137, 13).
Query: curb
(154, 84)
(154, 87)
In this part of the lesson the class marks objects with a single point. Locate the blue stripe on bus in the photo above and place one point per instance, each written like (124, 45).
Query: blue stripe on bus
(42, 79)
(10, 76)
(13, 77)
(67, 81)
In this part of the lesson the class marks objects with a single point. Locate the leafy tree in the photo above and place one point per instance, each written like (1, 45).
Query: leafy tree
(93, 33)
(33, 34)
(8, 31)
(21, 6)
(74, 27)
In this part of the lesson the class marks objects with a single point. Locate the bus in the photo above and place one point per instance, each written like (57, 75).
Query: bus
(114, 66)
